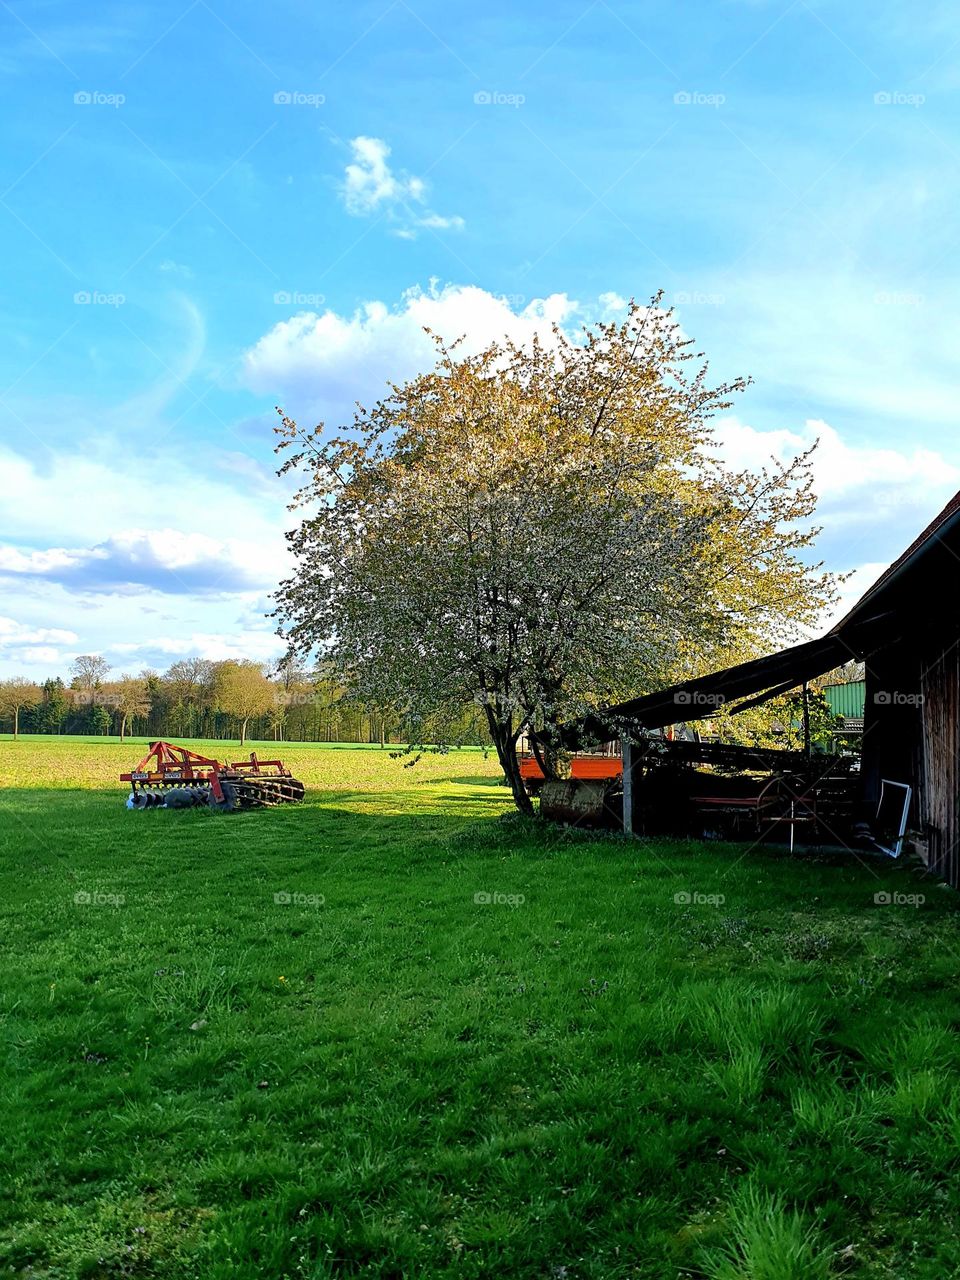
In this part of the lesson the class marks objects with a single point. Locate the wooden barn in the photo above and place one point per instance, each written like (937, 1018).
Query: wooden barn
(906, 630)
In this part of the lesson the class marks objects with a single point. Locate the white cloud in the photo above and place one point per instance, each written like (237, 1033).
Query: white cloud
(123, 545)
(170, 267)
(612, 303)
(841, 466)
(25, 648)
(371, 186)
(166, 560)
(19, 633)
(873, 500)
(867, 343)
(41, 655)
(83, 498)
(258, 645)
(437, 221)
(324, 363)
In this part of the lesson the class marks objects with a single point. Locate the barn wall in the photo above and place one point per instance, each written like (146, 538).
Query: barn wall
(940, 739)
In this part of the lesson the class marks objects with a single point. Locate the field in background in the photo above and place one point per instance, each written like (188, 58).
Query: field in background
(396, 1032)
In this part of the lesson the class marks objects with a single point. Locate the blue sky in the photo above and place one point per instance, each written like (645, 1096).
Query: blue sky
(209, 209)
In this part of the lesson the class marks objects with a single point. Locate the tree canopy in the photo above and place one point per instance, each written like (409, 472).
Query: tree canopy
(542, 529)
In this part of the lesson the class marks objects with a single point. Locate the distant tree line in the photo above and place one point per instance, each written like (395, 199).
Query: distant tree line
(198, 698)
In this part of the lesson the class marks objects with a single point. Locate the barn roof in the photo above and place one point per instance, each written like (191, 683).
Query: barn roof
(873, 621)
(937, 539)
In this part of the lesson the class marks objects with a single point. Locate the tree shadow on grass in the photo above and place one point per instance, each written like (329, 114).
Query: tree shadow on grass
(485, 780)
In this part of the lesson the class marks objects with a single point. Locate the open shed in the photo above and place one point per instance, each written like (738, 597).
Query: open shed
(906, 630)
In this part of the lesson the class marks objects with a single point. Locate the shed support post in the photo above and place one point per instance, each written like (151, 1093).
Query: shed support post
(631, 791)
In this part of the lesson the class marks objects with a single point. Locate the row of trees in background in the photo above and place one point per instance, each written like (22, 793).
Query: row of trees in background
(197, 698)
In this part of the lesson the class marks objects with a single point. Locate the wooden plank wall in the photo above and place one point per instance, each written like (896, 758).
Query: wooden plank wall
(940, 742)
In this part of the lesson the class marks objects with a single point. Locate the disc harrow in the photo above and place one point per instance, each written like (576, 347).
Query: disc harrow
(173, 777)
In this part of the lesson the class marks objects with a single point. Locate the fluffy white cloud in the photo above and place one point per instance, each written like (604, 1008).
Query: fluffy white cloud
(123, 545)
(842, 466)
(324, 363)
(166, 560)
(371, 186)
(85, 497)
(18, 633)
(874, 499)
(25, 649)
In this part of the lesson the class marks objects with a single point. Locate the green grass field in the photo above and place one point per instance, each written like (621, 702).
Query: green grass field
(582, 1079)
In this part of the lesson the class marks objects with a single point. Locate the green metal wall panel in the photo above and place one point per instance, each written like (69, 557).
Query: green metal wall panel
(846, 699)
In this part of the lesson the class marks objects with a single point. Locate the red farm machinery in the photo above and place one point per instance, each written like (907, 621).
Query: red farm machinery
(172, 777)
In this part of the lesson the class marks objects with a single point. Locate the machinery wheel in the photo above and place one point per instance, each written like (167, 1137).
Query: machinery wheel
(229, 801)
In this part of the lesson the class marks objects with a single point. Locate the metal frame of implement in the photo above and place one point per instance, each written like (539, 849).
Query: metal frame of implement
(175, 777)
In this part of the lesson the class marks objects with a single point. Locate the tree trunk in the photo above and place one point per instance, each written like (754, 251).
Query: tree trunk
(123, 726)
(243, 732)
(16, 722)
(505, 742)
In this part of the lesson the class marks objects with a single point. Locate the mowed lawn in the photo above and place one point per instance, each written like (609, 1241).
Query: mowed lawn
(292, 1043)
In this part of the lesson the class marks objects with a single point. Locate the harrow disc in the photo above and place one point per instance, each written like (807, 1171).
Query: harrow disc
(231, 799)
(266, 792)
(185, 797)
